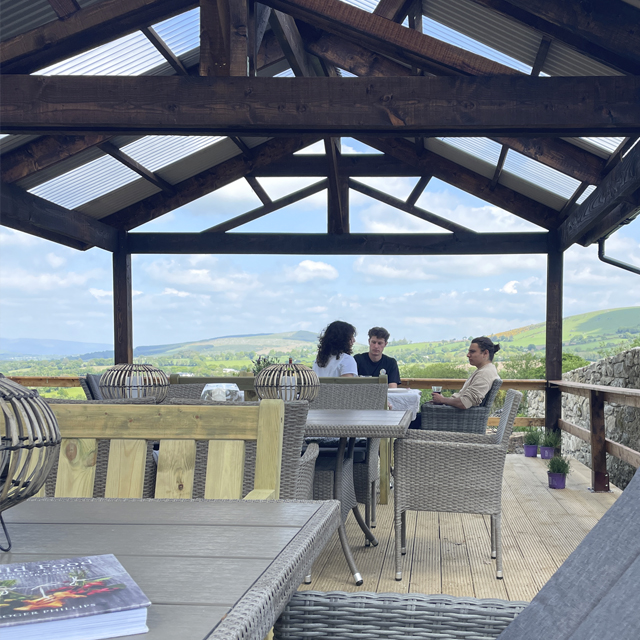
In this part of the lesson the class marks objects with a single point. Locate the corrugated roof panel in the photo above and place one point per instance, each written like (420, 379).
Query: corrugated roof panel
(482, 148)
(365, 5)
(9, 142)
(86, 183)
(607, 144)
(20, 17)
(119, 198)
(456, 154)
(155, 152)
(539, 174)
(562, 60)
(131, 55)
(531, 190)
(587, 192)
(182, 32)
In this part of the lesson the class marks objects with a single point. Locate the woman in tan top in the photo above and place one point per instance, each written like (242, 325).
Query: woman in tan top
(477, 386)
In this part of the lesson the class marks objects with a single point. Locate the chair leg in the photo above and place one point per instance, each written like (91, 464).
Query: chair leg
(374, 500)
(398, 521)
(307, 579)
(367, 517)
(493, 536)
(498, 527)
(403, 543)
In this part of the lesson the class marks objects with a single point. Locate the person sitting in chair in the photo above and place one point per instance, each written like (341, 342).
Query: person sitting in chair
(375, 363)
(477, 386)
(334, 351)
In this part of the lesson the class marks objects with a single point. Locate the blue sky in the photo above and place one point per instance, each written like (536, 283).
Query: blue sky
(50, 291)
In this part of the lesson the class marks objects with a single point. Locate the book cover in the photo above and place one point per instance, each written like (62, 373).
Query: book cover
(62, 590)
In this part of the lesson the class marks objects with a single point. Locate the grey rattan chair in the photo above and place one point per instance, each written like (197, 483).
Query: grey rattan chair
(366, 474)
(441, 417)
(456, 472)
(592, 596)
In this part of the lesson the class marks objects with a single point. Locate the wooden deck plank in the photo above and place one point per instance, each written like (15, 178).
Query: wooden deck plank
(450, 553)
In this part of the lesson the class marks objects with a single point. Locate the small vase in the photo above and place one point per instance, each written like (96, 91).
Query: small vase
(546, 453)
(557, 480)
(531, 450)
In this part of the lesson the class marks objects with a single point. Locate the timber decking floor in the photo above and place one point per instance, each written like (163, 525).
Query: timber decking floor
(450, 553)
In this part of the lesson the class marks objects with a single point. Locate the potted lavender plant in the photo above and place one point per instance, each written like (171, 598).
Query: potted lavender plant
(531, 442)
(550, 443)
(558, 468)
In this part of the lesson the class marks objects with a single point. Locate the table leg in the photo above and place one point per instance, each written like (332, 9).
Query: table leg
(385, 466)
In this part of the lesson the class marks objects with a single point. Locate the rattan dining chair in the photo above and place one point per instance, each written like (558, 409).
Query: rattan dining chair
(454, 472)
(442, 417)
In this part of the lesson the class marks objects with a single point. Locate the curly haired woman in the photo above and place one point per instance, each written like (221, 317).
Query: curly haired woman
(334, 351)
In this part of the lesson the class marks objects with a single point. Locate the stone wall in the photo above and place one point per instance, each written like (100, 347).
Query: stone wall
(622, 423)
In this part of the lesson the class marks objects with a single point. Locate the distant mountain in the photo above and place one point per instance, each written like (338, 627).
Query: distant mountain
(35, 348)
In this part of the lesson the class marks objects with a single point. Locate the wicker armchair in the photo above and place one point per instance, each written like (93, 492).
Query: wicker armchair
(456, 472)
(366, 473)
(592, 596)
(441, 417)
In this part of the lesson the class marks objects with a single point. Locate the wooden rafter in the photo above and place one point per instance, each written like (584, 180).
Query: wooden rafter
(64, 8)
(360, 165)
(205, 182)
(624, 212)
(258, 190)
(284, 26)
(418, 190)
(83, 30)
(337, 204)
(602, 29)
(325, 106)
(39, 217)
(165, 50)
(394, 10)
(617, 185)
(466, 180)
(498, 172)
(344, 244)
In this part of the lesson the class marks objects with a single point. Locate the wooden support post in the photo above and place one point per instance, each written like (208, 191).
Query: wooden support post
(599, 475)
(553, 398)
(122, 303)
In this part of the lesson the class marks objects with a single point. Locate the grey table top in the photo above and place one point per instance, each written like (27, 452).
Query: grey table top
(197, 561)
(357, 423)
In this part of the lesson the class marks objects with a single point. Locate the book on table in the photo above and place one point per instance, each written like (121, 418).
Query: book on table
(84, 598)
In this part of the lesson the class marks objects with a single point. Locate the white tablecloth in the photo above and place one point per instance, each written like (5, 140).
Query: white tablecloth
(405, 400)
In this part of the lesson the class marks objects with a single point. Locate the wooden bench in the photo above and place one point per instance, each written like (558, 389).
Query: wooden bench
(176, 428)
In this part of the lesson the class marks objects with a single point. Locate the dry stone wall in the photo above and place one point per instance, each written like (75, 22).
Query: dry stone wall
(622, 423)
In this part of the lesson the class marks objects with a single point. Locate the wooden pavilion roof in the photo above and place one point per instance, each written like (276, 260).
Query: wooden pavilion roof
(465, 91)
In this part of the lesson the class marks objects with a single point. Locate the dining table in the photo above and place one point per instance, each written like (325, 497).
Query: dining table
(214, 569)
(348, 425)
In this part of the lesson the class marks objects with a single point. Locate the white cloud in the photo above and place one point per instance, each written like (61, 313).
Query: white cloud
(318, 309)
(55, 260)
(312, 270)
(101, 294)
(175, 292)
(510, 287)
(24, 281)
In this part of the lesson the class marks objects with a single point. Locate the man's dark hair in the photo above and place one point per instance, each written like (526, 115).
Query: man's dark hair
(486, 344)
(379, 332)
(334, 340)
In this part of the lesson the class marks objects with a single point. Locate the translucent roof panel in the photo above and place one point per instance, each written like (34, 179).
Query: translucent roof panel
(482, 148)
(155, 152)
(181, 33)
(365, 5)
(608, 144)
(19, 17)
(132, 55)
(587, 192)
(85, 183)
(540, 175)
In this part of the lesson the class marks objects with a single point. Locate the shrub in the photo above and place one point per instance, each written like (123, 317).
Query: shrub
(558, 464)
(532, 436)
(261, 362)
(552, 439)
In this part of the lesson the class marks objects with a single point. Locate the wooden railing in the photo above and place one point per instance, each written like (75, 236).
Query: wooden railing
(46, 381)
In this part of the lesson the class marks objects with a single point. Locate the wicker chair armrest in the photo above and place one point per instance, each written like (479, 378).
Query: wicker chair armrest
(306, 472)
(449, 436)
(345, 616)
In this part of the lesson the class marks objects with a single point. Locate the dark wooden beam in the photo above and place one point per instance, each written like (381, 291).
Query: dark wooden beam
(499, 166)
(553, 352)
(43, 153)
(394, 10)
(570, 203)
(555, 153)
(337, 215)
(258, 190)
(466, 180)
(618, 154)
(64, 8)
(418, 190)
(34, 215)
(164, 50)
(262, 15)
(623, 212)
(122, 303)
(541, 56)
(83, 30)
(344, 244)
(423, 214)
(215, 54)
(238, 37)
(601, 29)
(203, 183)
(379, 34)
(360, 165)
(447, 106)
(270, 207)
(620, 183)
(130, 163)
(284, 26)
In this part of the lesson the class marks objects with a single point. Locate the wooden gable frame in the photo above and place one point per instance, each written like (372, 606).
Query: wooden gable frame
(391, 106)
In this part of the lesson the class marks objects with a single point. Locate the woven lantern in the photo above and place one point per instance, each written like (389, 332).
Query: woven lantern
(287, 382)
(29, 445)
(134, 381)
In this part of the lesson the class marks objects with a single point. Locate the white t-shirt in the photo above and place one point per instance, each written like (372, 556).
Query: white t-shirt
(337, 367)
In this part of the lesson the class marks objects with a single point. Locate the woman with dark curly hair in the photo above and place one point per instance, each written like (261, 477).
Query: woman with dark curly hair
(334, 351)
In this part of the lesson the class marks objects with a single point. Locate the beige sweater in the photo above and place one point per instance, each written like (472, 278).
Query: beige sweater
(477, 386)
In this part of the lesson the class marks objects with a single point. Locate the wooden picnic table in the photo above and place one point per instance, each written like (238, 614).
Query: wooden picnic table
(220, 567)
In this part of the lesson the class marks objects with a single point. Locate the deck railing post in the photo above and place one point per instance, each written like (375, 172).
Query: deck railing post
(553, 352)
(599, 475)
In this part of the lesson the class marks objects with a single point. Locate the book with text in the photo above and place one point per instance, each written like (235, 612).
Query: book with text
(85, 598)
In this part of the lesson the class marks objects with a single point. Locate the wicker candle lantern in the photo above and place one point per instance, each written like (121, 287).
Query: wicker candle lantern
(134, 381)
(28, 448)
(287, 382)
